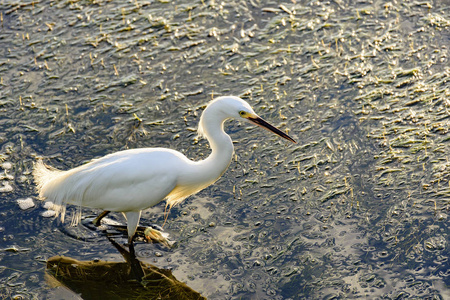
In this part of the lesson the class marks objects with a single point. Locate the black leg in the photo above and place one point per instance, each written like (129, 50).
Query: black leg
(97, 220)
(131, 247)
(136, 267)
(136, 270)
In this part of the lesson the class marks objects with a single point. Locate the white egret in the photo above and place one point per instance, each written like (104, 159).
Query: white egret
(130, 181)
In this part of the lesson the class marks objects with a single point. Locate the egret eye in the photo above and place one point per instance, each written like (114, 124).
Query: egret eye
(242, 113)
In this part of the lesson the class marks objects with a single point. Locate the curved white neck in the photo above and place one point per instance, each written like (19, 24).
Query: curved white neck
(221, 149)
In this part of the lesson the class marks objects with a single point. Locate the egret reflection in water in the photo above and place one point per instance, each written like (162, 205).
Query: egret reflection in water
(89, 278)
(359, 210)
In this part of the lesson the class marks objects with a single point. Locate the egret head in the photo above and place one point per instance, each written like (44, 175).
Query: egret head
(223, 108)
(229, 107)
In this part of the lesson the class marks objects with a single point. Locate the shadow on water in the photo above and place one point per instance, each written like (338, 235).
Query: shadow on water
(131, 279)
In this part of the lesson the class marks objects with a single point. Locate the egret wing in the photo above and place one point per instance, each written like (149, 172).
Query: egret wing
(129, 180)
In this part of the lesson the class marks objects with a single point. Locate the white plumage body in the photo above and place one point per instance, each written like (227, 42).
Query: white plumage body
(132, 180)
(128, 180)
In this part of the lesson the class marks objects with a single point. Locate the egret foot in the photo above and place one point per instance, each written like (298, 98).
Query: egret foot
(155, 236)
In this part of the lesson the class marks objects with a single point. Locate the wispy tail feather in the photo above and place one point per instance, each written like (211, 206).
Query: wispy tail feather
(43, 174)
(45, 177)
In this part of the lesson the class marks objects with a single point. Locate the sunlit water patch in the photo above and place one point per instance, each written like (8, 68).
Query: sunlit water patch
(358, 208)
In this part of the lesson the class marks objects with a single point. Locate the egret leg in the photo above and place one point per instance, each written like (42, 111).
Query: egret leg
(136, 268)
(97, 220)
(132, 223)
(131, 248)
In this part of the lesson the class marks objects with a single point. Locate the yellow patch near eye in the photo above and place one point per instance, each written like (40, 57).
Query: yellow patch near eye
(243, 114)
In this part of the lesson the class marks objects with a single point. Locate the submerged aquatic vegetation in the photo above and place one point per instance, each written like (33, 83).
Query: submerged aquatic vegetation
(361, 201)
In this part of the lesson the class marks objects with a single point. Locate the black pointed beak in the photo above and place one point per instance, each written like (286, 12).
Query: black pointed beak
(260, 122)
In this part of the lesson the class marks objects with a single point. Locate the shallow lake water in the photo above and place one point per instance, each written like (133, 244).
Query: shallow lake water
(358, 209)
